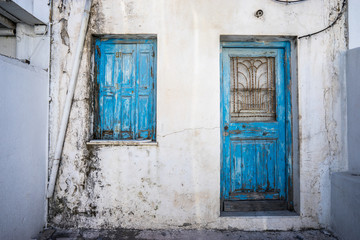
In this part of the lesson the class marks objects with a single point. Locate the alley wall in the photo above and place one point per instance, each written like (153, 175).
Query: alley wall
(23, 149)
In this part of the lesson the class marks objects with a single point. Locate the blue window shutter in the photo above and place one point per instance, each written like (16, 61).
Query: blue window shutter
(126, 89)
(106, 95)
(126, 92)
(145, 89)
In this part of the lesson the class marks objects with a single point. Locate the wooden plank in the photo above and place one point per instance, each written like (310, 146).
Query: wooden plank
(253, 195)
(250, 206)
(288, 124)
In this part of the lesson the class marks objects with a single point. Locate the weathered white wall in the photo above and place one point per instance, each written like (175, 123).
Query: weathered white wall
(23, 149)
(32, 47)
(177, 183)
(26, 45)
(8, 46)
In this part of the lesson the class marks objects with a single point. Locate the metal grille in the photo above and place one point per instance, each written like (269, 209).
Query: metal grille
(252, 89)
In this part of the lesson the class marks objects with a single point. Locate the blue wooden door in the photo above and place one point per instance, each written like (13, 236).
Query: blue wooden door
(126, 84)
(254, 126)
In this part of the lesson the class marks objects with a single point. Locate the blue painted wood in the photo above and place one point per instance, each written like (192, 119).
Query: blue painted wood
(253, 169)
(288, 124)
(256, 156)
(126, 71)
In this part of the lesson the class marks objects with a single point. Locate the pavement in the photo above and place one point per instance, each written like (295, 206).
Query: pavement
(106, 234)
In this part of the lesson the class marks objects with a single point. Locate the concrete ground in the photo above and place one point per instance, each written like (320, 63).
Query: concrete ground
(84, 234)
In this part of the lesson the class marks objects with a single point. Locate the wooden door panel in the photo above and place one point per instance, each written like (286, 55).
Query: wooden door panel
(253, 169)
(253, 125)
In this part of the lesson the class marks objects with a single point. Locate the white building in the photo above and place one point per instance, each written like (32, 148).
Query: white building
(197, 114)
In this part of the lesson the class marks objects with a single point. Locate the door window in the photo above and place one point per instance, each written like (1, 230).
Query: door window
(252, 89)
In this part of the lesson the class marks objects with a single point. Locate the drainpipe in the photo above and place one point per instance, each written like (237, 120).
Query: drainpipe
(69, 98)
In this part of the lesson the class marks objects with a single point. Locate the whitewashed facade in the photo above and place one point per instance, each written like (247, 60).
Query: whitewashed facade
(175, 182)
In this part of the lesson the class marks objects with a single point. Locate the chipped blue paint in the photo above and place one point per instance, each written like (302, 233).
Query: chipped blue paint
(126, 74)
(256, 156)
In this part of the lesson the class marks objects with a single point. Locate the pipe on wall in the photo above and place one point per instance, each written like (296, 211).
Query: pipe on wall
(7, 32)
(69, 99)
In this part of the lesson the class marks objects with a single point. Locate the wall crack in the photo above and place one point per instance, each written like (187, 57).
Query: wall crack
(189, 129)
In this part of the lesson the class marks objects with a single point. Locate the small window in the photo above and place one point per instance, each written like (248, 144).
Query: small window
(125, 89)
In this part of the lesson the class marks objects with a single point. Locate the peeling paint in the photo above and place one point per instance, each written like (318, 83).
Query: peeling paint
(64, 34)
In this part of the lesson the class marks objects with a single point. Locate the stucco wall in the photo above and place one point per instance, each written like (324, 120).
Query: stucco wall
(23, 149)
(8, 46)
(32, 47)
(345, 214)
(345, 186)
(177, 183)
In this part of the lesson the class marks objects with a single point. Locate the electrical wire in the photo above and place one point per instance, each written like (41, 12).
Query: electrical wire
(338, 17)
(39, 42)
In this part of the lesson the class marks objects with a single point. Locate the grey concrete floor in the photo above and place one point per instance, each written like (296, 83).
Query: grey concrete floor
(90, 234)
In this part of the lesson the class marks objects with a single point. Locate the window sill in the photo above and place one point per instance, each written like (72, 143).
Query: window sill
(122, 143)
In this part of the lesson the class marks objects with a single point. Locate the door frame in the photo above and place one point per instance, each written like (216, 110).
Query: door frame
(286, 45)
